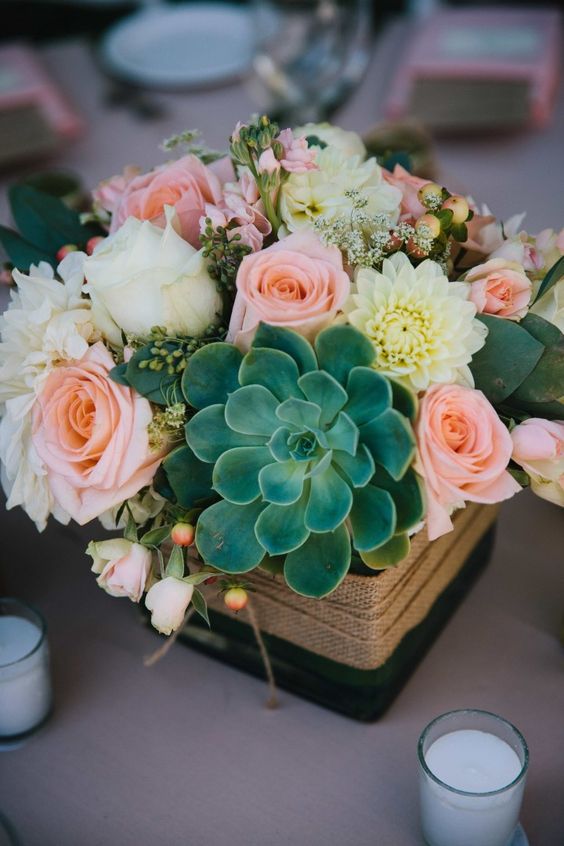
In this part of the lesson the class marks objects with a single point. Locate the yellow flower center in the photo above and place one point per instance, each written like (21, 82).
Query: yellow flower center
(403, 335)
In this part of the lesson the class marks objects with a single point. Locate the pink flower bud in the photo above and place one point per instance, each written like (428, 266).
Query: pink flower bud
(65, 250)
(268, 163)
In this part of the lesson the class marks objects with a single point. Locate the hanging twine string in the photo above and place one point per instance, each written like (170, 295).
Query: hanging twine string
(272, 701)
(159, 653)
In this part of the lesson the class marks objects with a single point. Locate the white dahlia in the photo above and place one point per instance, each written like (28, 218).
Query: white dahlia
(422, 326)
(46, 323)
(306, 196)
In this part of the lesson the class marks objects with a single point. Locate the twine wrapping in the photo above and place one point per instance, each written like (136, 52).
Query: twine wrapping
(363, 621)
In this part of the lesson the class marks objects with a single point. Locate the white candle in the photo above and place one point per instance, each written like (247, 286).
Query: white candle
(25, 683)
(472, 780)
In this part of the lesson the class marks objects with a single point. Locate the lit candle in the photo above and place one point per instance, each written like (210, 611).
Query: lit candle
(25, 682)
(473, 767)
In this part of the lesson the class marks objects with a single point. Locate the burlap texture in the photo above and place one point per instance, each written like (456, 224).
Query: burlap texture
(362, 622)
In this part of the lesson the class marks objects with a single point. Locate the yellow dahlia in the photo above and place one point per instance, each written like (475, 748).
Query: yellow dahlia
(423, 327)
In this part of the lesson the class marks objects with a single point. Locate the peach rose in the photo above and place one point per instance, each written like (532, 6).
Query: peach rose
(121, 565)
(91, 435)
(500, 287)
(463, 453)
(409, 185)
(538, 447)
(297, 282)
(186, 184)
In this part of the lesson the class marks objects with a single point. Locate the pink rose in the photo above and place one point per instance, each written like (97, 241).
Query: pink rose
(538, 447)
(91, 434)
(409, 185)
(297, 282)
(110, 191)
(186, 184)
(463, 453)
(122, 566)
(500, 287)
(241, 213)
(298, 156)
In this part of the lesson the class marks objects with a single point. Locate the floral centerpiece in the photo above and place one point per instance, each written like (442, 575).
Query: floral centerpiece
(284, 358)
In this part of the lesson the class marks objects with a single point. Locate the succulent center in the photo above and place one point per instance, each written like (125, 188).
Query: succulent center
(303, 446)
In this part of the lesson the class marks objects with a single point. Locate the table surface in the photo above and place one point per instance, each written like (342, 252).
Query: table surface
(185, 752)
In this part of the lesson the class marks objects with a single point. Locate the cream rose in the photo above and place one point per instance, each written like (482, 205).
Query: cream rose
(297, 282)
(167, 600)
(463, 453)
(538, 446)
(142, 276)
(121, 565)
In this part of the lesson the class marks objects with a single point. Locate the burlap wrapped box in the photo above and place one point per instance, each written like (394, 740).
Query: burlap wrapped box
(353, 650)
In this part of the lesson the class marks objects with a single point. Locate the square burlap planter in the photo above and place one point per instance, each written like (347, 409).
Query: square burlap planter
(352, 650)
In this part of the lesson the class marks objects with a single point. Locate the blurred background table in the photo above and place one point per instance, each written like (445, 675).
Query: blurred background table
(185, 752)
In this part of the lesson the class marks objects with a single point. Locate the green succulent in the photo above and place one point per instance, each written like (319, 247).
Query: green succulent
(309, 449)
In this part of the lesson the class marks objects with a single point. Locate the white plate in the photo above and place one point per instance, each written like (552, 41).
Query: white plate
(169, 46)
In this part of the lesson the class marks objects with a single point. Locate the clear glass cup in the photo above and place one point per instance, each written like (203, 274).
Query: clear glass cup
(310, 54)
(25, 678)
(453, 817)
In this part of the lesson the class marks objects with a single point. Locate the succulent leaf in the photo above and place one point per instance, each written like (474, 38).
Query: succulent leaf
(403, 399)
(343, 434)
(225, 536)
(209, 435)
(359, 468)
(274, 369)
(407, 495)
(235, 475)
(289, 342)
(373, 518)
(329, 503)
(189, 478)
(323, 390)
(281, 528)
(390, 439)
(211, 374)
(252, 411)
(369, 394)
(282, 483)
(320, 564)
(341, 348)
(299, 412)
(388, 555)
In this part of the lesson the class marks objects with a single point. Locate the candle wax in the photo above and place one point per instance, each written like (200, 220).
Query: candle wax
(18, 637)
(474, 761)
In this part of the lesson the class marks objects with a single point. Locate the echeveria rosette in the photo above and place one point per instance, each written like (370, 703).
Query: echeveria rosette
(308, 450)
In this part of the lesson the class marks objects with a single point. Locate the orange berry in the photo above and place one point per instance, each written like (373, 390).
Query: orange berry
(430, 194)
(92, 243)
(459, 207)
(65, 250)
(430, 222)
(182, 534)
(236, 598)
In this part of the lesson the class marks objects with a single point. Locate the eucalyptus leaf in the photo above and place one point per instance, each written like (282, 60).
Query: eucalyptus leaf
(22, 253)
(553, 276)
(157, 386)
(117, 374)
(46, 221)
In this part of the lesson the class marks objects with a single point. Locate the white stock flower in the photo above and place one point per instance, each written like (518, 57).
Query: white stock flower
(46, 323)
(306, 196)
(422, 326)
(144, 276)
(349, 143)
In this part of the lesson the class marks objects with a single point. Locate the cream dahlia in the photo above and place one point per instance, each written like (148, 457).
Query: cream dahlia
(422, 326)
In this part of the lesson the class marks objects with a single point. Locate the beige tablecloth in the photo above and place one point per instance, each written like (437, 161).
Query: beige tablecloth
(185, 753)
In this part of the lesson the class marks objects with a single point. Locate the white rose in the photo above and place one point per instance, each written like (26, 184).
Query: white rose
(144, 276)
(121, 565)
(349, 143)
(167, 601)
(323, 192)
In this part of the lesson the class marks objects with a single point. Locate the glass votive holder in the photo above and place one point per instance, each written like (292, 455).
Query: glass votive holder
(472, 773)
(25, 678)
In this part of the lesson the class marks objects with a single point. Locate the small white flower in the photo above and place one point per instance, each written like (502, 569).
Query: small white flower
(422, 326)
(349, 143)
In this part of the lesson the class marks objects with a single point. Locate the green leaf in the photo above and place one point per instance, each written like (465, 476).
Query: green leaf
(200, 605)
(282, 483)
(155, 536)
(388, 555)
(330, 501)
(340, 348)
(373, 518)
(155, 385)
(225, 536)
(369, 394)
(407, 495)
(553, 276)
(21, 252)
(189, 478)
(211, 374)
(545, 384)
(459, 232)
(199, 577)
(117, 374)
(45, 220)
(325, 392)
(130, 532)
(162, 485)
(320, 564)
(445, 217)
(289, 342)
(404, 400)
(508, 356)
(175, 566)
(252, 411)
(209, 435)
(235, 476)
(281, 528)
(391, 441)
(273, 369)
(358, 468)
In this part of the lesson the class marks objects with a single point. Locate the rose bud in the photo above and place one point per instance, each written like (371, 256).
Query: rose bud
(430, 195)
(65, 250)
(92, 243)
(429, 222)
(167, 600)
(459, 207)
(182, 534)
(236, 598)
